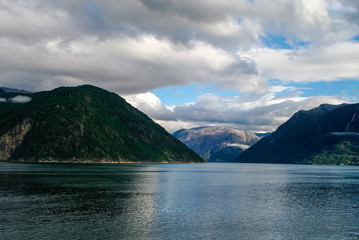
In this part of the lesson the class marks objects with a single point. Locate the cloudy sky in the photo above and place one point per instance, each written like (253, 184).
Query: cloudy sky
(249, 64)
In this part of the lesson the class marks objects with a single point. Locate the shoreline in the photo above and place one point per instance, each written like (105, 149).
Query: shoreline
(99, 162)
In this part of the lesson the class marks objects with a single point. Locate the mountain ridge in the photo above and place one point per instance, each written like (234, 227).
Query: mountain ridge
(83, 124)
(13, 90)
(327, 134)
(216, 143)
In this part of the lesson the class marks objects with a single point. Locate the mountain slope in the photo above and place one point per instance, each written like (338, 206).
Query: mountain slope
(217, 144)
(83, 124)
(325, 135)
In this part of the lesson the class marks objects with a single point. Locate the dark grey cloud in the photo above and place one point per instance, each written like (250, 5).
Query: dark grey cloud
(124, 47)
(199, 11)
(349, 10)
(133, 46)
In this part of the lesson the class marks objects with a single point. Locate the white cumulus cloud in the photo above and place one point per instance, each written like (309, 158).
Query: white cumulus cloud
(336, 62)
(258, 115)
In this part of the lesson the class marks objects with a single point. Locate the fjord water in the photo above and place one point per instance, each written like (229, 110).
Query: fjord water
(178, 201)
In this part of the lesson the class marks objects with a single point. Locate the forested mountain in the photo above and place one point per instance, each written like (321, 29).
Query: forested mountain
(328, 134)
(82, 124)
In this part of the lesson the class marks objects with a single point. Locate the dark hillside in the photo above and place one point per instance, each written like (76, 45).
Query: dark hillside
(83, 124)
(324, 135)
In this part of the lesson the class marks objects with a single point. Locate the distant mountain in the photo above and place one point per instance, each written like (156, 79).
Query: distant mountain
(13, 90)
(328, 134)
(217, 144)
(82, 124)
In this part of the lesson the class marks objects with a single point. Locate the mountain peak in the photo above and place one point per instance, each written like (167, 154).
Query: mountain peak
(327, 134)
(84, 124)
(217, 143)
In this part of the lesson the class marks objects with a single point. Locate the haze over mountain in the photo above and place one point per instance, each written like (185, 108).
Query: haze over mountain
(217, 144)
(82, 124)
(13, 90)
(328, 134)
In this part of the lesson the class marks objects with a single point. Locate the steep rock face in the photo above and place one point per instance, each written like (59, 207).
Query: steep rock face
(328, 134)
(83, 124)
(10, 140)
(217, 144)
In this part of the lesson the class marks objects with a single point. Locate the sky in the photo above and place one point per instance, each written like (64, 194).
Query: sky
(248, 64)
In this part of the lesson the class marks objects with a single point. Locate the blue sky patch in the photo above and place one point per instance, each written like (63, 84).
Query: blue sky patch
(356, 38)
(348, 89)
(176, 95)
(280, 42)
(273, 41)
(94, 12)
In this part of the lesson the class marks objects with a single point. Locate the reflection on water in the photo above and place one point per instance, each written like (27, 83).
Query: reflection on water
(178, 201)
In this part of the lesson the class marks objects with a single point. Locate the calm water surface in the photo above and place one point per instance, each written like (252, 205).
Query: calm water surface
(178, 201)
